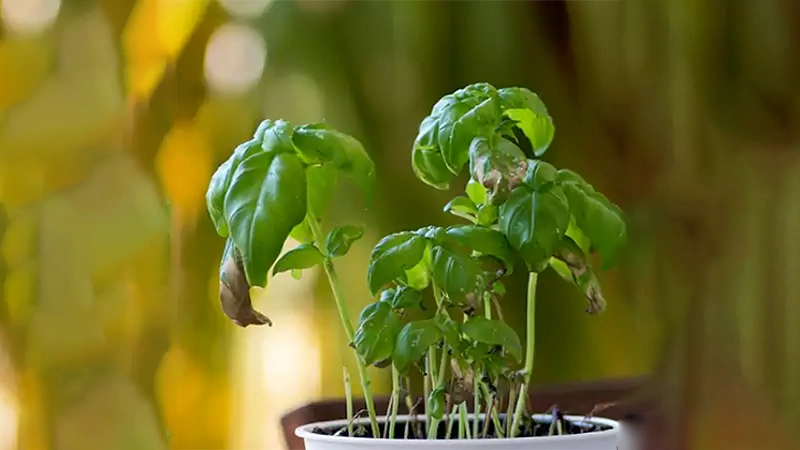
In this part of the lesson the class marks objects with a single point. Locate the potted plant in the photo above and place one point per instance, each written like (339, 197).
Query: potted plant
(437, 290)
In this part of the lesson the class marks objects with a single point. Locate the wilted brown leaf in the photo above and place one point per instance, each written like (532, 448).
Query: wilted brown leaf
(234, 291)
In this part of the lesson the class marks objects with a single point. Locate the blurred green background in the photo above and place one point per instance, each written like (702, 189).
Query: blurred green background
(115, 113)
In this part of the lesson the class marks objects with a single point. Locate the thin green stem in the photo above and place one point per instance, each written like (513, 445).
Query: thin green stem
(341, 306)
(450, 422)
(530, 338)
(512, 394)
(490, 400)
(348, 395)
(476, 406)
(395, 400)
(426, 388)
(463, 421)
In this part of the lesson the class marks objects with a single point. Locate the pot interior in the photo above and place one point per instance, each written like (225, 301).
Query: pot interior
(416, 428)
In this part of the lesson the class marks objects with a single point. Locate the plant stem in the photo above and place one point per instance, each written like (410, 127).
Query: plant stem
(512, 394)
(476, 406)
(490, 400)
(426, 387)
(450, 422)
(395, 400)
(530, 338)
(341, 306)
(462, 409)
(348, 394)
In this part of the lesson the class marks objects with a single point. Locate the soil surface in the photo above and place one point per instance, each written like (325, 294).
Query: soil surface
(417, 429)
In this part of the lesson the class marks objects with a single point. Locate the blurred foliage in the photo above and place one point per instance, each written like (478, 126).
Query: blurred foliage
(685, 113)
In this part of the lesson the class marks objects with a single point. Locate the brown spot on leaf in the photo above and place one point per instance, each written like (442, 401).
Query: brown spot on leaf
(234, 293)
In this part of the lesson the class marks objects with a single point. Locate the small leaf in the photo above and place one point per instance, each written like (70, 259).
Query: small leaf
(302, 232)
(450, 331)
(540, 174)
(487, 215)
(221, 181)
(436, 403)
(499, 288)
(400, 298)
(234, 291)
(340, 239)
(493, 332)
(484, 240)
(413, 341)
(428, 165)
(419, 276)
(375, 337)
(534, 223)
(476, 192)
(462, 207)
(304, 256)
(455, 273)
(392, 256)
(266, 200)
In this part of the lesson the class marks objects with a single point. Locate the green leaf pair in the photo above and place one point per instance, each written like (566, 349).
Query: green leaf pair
(273, 185)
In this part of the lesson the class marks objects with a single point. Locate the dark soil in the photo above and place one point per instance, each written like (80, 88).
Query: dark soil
(418, 429)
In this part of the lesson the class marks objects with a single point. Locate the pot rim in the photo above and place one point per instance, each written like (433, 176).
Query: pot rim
(306, 433)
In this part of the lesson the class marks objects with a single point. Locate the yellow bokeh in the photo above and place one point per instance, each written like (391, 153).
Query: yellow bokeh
(184, 167)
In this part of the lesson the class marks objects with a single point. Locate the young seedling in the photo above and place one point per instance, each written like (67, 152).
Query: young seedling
(519, 209)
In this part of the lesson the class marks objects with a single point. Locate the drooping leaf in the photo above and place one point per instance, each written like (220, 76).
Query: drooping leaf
(341, 238)
(484, 240)
(221, 181)
(477, 122)
(571, 263)
(534, 222)
(304, 256)
(414, 339)
(493, 332)
(447, 121)
(375, 337)
(454, 273)
(319, 144)
(600, 220)
(497, 164)
(392, 256)
(234, 291)
(266, 199)
(462, 207)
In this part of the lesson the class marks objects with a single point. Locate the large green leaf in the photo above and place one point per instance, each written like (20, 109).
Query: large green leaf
(266, 199)
(530, 115)
(534, 222)
(402, 297)
(317, 143)
(428, 165)
(304, 256)
(453, 272)
(493, 332)
(392, 256)
(487, 241)
(221, 181)
(600, 220)
(447, 121)
(321, 182)
(377, 331)
(341, 238)
(413, 341)
(477, 122)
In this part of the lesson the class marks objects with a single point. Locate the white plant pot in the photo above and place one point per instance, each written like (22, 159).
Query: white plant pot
(600, 440)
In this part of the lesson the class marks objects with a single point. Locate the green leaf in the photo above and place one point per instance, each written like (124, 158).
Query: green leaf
(321, 181)
(419, 276)
(478, 121)
(392, 256)
(436, 403)
(375, 337)
(462, 207)
(599, 219)
(266, 199)
(476, 192)
(319, 144)
(428, 165)
(302, 232)
(487, 215)
(455, 273)
(540, 174)
(278, 138)
(484, 240)
(304, 256)
(450, 331)
(340, 239)
(454, 157)
(534, 222)
(413, 341)
(400, 298)
(538, 129)
(221, 181)
(521, 98)
(493, 332)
